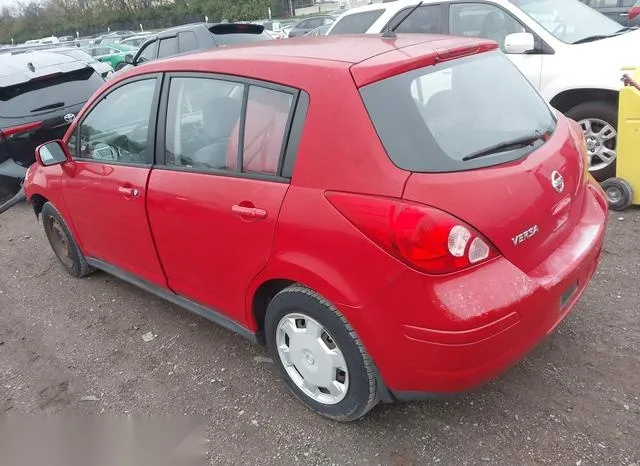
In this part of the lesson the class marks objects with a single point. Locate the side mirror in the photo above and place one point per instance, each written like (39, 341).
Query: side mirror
(128, 59)
(52, 153)
(519, 42)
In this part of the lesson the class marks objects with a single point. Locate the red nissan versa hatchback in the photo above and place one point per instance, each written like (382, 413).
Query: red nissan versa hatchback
(394, 217)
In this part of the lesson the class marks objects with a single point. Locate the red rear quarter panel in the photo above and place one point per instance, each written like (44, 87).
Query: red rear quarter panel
(339, 151)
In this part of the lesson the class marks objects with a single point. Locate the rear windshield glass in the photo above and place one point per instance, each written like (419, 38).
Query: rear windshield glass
(48, 94)
(236, 38)
(356, 23)
(431, 118)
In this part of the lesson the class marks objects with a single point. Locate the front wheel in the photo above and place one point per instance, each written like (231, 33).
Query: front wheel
(319, 355)
(63, 243)
(119, 66)
(599, 123)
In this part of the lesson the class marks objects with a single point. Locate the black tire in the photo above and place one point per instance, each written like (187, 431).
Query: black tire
(119, 66)
(74, 263)
(602, 110)
(362, 392)
(619, 193)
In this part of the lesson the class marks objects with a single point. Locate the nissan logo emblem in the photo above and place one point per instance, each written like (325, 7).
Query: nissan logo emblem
(69, 117)
(557, 181)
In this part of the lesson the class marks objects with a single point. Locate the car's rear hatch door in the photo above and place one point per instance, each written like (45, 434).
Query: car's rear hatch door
(526, 207)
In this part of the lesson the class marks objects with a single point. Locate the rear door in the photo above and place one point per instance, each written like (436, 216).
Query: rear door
(214, 204)
(106, 185)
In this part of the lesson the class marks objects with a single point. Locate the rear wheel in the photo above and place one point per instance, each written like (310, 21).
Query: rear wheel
(319, 355)
(62, 242)
(599, 123)
(619, 193)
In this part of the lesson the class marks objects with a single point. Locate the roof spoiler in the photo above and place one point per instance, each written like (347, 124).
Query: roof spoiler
(236, 28)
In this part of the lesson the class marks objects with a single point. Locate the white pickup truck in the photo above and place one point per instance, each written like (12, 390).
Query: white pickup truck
(570, 52)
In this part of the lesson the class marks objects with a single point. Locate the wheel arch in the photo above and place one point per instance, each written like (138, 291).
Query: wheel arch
(569, 98)
(266, 285)
(37, 201)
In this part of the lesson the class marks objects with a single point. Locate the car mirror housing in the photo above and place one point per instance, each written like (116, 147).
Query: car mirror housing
(519, 43)
(52, 153)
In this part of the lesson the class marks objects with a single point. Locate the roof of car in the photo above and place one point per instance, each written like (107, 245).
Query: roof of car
(345, 48)
(277, 60)
(22, 67)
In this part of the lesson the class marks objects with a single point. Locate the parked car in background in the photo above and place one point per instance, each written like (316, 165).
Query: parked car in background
(308, 24)
(104, 69)
(553, 43)
(195, 37)
(431, 263)
(114, 54)
(135, 41)
(40, 94)
(113, 37)
(319, 31)
(625, 12)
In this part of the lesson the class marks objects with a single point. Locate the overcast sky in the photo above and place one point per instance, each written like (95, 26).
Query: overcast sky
(6, 2)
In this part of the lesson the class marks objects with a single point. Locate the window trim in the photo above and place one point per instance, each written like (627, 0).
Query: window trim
(541, 46)
(289, 137)
(153, 120)
(152, 43)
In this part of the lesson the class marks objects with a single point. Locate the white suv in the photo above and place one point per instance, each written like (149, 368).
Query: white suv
(570, 52)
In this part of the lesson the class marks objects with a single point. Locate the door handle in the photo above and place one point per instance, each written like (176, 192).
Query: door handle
(249, 212)
(128, 191)
(624, 14)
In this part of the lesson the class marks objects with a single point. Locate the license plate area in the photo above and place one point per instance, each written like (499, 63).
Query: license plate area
(568, 294)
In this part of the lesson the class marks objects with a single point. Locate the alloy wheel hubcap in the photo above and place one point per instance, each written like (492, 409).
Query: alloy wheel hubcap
(312, 358)
(600, 137)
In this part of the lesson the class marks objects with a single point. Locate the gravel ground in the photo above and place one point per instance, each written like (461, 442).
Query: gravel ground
(76, 347)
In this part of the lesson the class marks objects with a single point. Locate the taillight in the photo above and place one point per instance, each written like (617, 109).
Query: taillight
(581, 144)
(423, 237)
(634, 12)
(15, 130)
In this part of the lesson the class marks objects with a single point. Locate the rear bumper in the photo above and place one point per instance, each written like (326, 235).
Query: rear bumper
(475, 326)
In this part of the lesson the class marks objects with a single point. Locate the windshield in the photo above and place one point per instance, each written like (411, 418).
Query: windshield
(432, 119)
(569, 20)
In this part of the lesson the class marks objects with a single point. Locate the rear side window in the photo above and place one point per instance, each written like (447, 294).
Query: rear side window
(431, 118)
(148, 53)
(168, 47)
(265, 128)
(235, 38)
(209, 127)
(188, 41)
(427, 19)
(49, 94)
(356, 23)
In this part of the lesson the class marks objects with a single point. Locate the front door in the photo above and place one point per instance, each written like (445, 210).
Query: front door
(214, 205)
(105, 192)
(494, 23)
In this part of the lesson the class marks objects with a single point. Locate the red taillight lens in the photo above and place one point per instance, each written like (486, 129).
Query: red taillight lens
(15, 130)
(634, 12)
(423, 237)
